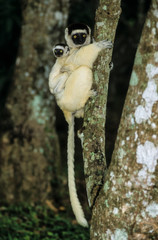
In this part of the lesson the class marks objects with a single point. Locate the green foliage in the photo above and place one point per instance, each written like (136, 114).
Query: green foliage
(37, 222)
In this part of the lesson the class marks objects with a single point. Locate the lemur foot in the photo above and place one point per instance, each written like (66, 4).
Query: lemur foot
(93, 93)
(111, 65)
(79, 113)
(104, 44)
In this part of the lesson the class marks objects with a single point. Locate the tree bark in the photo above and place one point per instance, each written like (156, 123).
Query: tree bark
(93, 138)
(29, 145)
(127, 206)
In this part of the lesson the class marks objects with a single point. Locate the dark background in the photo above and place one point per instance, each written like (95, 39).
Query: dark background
(126, 42)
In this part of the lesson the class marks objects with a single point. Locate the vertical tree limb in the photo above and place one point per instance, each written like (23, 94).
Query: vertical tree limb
(93, 138)
(127, 207)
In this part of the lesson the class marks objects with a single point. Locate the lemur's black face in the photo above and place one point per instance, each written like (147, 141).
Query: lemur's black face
(79, 38)
(61, 50)
(77, 35)
(58, 52)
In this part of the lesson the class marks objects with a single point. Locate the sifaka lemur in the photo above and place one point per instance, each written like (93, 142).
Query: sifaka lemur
(71, 81)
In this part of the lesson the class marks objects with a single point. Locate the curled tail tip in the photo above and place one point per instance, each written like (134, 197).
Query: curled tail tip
(83, 222)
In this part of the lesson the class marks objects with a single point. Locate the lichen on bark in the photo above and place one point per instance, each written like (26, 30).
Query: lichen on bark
(95, 111)
(124, 207)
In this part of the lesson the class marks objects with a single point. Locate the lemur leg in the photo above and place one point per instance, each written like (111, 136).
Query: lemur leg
(61, 83)
(77, 89)
(79, 113)
(92, 93)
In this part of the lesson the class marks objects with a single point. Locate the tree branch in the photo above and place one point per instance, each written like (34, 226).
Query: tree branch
(107, 16)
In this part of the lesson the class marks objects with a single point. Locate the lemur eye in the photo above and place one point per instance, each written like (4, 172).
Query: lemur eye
(61, 51)
(84, 35)
(74, 36)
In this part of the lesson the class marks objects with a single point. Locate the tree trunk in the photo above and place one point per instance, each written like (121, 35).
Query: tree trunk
(95, 113)
(127, 206)
(29, 144)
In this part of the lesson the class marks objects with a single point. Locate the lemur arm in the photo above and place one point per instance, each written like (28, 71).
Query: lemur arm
(53, 79)
(88, 54)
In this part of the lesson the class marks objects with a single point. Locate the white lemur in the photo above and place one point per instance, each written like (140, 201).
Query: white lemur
(74, 91)
(56, 78)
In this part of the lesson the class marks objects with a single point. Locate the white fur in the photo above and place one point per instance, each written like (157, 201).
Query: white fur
(76, 206)
(58, 47)
(78, 31)
(56, 79)
(79, 83)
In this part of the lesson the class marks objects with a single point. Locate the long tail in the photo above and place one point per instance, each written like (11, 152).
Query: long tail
(76, 206)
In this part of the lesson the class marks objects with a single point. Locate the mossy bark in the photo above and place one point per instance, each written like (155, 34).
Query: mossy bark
(29, 149)
(93, 137)
(127, 205)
